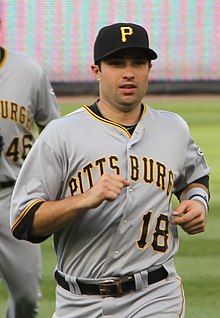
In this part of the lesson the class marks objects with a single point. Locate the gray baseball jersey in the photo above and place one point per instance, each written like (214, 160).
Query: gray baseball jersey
(131, 233)
(26, 97)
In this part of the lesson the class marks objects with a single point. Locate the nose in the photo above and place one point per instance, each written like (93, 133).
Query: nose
(128, 74)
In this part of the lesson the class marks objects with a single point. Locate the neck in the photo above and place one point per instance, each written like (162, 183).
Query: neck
(124, 117)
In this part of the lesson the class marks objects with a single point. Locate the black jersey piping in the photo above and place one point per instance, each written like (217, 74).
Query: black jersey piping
(24, 213)
(3, 57)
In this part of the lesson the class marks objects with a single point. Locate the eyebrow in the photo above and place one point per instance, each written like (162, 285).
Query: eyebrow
(122, 57)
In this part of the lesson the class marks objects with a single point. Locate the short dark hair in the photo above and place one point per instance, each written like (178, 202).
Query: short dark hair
(98, 63)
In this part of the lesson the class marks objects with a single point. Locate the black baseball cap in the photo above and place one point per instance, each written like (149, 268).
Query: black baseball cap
(119, 36)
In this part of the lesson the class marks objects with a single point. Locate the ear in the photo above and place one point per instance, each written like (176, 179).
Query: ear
(150, 65)
(96, 71)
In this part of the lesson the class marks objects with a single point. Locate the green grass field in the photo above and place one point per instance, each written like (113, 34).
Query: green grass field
(198, 261)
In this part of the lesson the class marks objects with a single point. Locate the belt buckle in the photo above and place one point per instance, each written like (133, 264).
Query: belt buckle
(112, 287)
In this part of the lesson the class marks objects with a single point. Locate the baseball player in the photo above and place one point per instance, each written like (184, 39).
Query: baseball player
(101, 181)
(26, 97)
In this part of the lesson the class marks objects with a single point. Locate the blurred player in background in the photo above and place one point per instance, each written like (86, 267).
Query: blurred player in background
(26, 99)
(101, 180)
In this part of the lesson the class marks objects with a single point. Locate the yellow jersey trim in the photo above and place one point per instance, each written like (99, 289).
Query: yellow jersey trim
(24, 213)
(183, 299)
(109, 122)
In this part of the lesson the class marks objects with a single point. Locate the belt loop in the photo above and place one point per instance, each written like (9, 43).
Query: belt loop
(141, 279)
(74, 287)
(144, 278)
(138, 282)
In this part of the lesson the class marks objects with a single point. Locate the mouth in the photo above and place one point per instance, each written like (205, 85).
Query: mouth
(128, 88)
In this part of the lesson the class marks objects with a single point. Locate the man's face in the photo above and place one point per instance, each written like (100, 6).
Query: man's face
(123, 78)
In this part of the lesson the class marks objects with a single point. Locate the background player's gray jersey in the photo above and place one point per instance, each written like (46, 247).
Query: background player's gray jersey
(24, 99)
(99, 243)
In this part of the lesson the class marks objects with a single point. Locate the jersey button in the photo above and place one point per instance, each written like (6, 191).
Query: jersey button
(116, 253)
(130, 191)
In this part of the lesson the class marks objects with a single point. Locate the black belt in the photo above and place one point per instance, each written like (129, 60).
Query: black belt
(112, 287)
(7, 184)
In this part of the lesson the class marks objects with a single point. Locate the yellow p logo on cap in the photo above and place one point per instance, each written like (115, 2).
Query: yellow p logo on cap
(125, 31)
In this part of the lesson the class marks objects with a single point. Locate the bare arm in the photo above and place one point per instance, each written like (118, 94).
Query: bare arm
(191, 214)
(54, 215)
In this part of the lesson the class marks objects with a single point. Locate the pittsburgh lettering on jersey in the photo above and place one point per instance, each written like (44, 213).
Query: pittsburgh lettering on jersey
(145, 169)
(15, 112)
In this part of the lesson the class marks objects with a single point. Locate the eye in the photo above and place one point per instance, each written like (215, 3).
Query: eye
(116, 62)
(140, 62)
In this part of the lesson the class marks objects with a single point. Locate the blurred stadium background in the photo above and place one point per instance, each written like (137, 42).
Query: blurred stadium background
(59, 34)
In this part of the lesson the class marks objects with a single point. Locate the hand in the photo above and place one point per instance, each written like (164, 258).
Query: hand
(52, 216)
(191, 216)
(1, 144)
(108, 187)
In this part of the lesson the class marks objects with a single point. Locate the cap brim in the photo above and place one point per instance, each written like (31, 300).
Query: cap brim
(151, 54)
